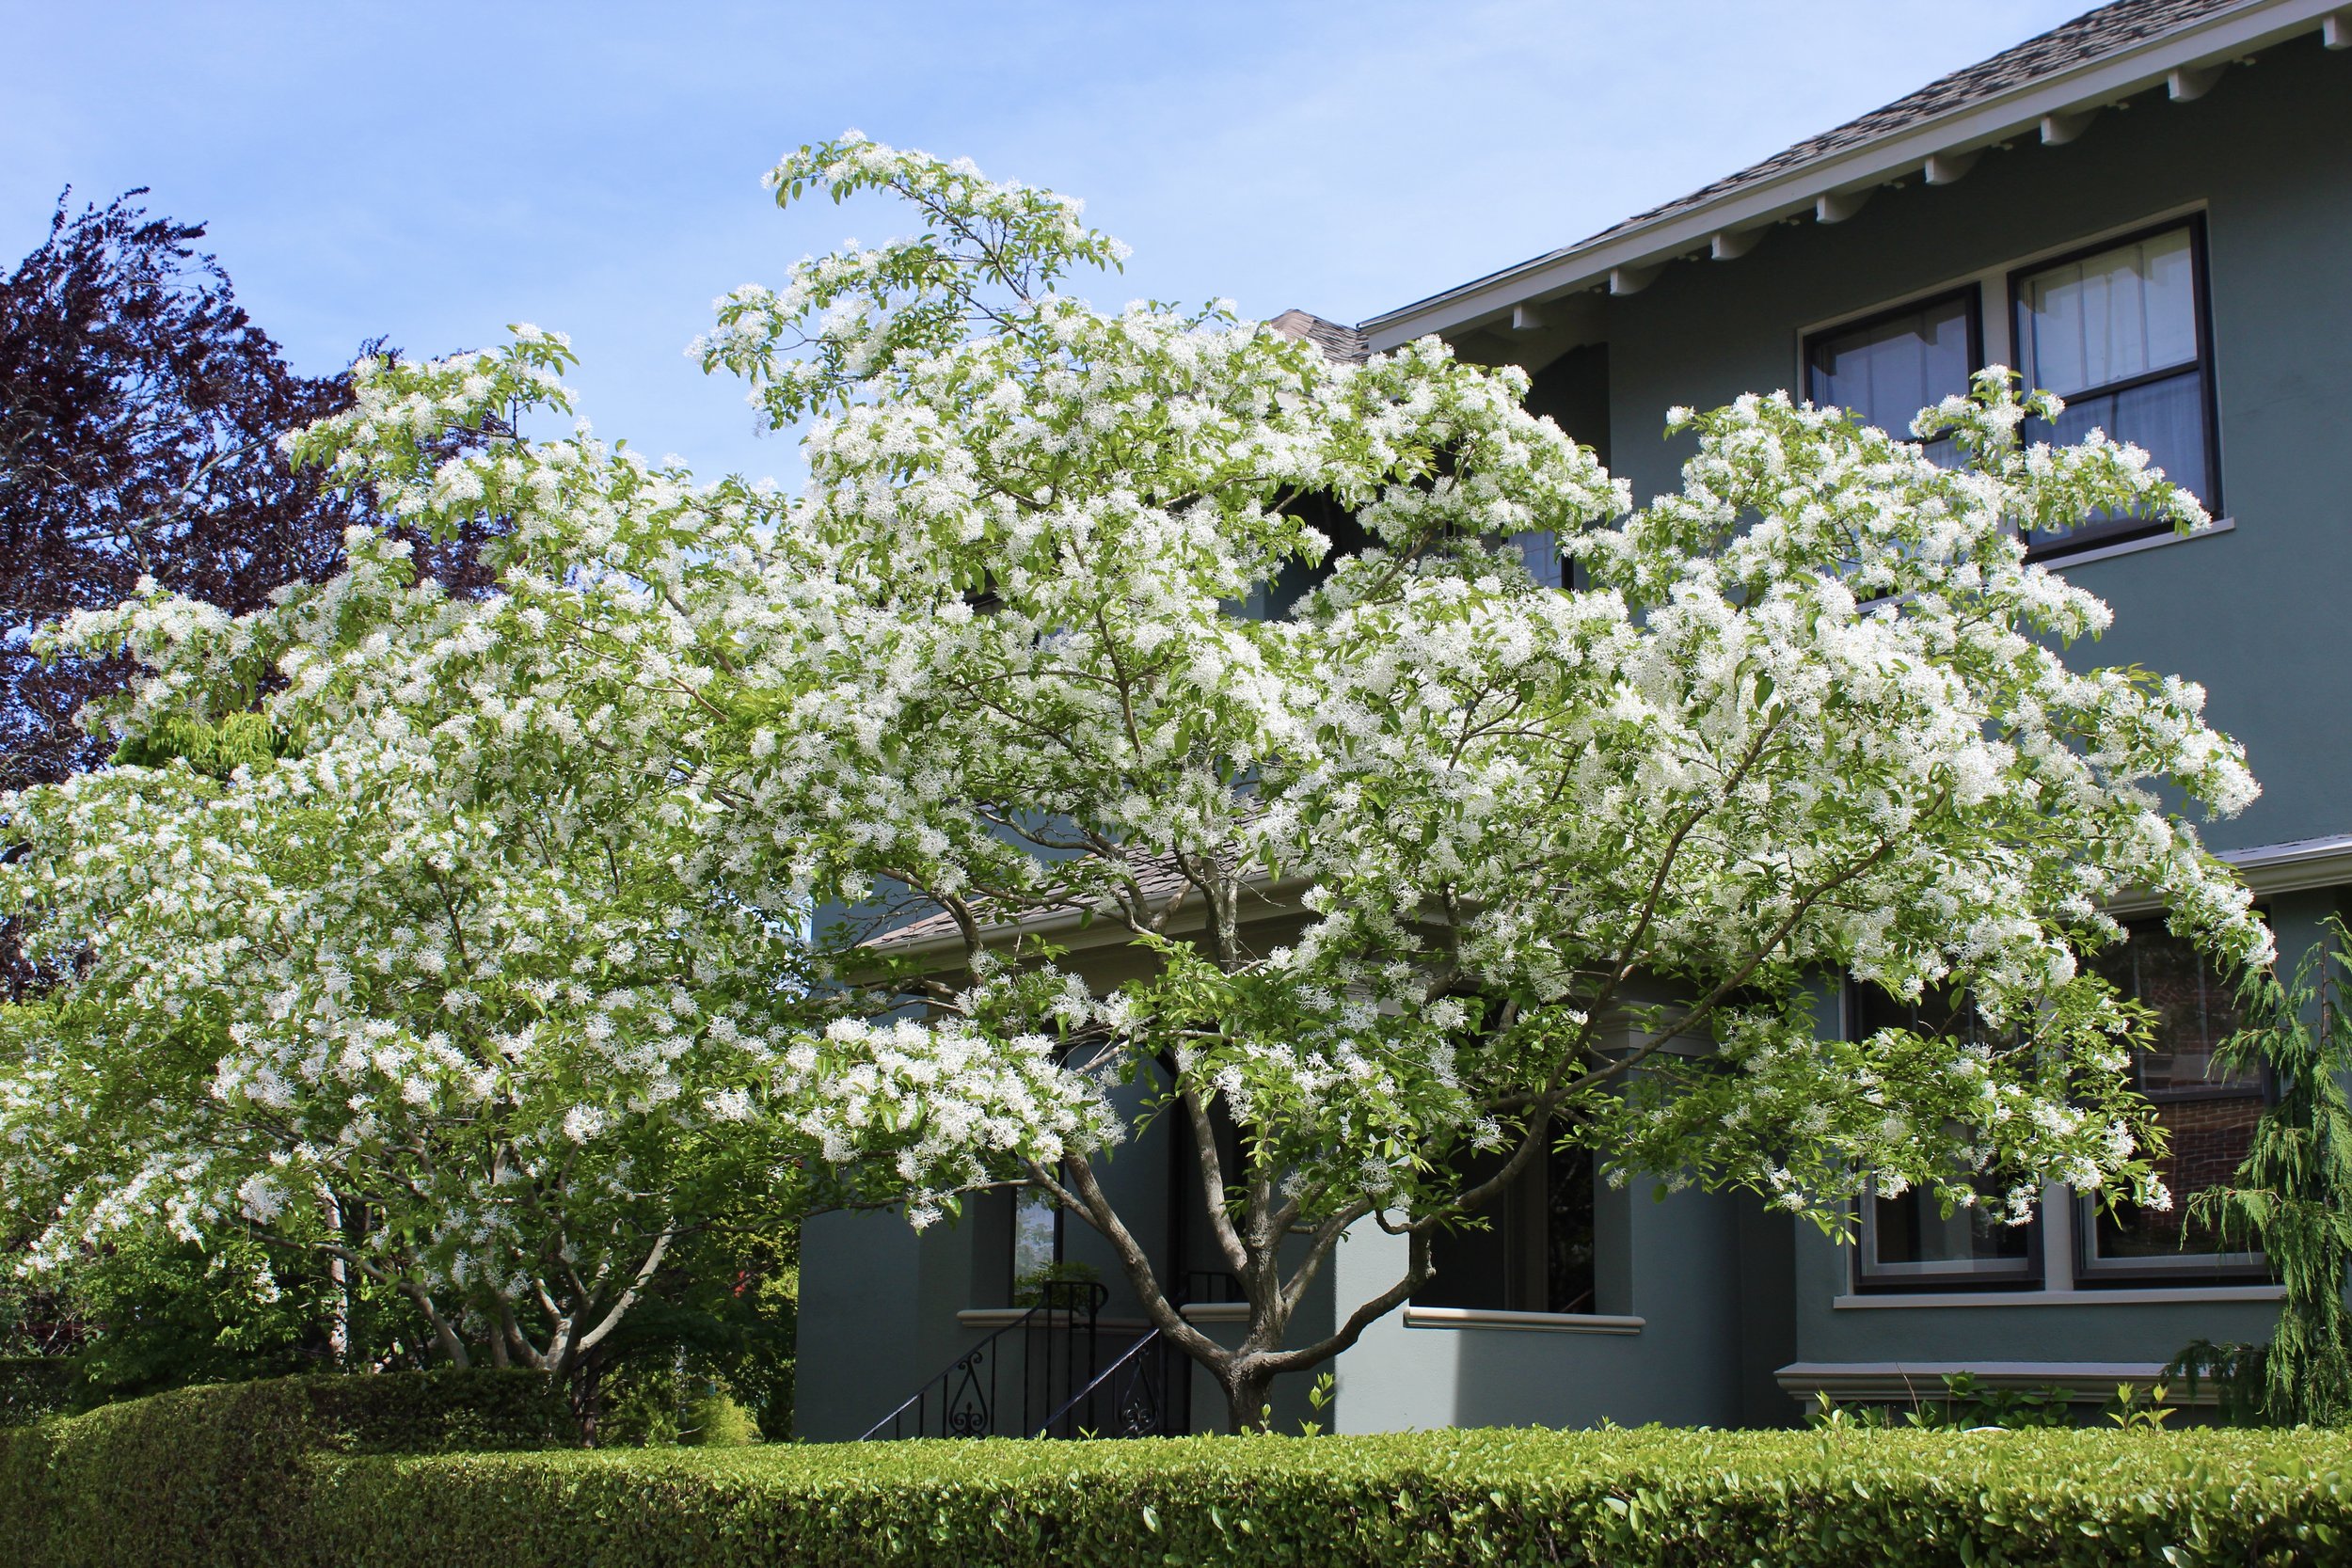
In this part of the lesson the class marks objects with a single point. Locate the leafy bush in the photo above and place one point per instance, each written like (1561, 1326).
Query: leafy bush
(220, 1473)
(32, 1387)
(182, 1480)
(673, 1408)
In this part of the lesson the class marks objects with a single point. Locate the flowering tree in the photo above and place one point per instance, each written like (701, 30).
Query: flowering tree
(1554, 866)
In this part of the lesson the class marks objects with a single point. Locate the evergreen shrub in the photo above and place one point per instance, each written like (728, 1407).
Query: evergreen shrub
(265, 1475)
(32, 1387)
(222, 1474)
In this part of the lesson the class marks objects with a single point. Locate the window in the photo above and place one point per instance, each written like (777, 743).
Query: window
(1540, 548)
(1037, 1237)
(1535, 1254)
(1885, 368)
(2210, 1116)
(1908, 1242)
(2119, 333)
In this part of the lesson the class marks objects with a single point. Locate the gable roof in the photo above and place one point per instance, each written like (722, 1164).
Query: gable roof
(2044, 86)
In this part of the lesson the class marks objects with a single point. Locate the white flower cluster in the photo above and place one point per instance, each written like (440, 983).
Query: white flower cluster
(556, 896)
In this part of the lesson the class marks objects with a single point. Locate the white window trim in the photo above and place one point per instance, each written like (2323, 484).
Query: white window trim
(1545, 1323)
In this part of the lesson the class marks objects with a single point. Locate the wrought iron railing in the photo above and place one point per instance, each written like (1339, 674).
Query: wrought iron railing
(1205, 1286)
(1144, 1393)
(1008, 1383)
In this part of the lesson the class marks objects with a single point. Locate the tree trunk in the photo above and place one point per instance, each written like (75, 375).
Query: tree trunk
(587, 1382)
(1249, 1396)
(339, 1291)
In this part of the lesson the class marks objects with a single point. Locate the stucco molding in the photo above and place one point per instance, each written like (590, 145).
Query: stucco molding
(1908, 1381)
(1215, 1312)
(1539, 1322)
(990, 1319)
(2156, 1295)
(2296, 866)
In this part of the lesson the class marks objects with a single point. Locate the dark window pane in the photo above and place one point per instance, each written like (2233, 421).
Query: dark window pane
(1471, 1266)
(1909, 1237)
(2209, 1138)
(1568, 1239)
(1910, 1230)
(2209, 1115)
(1535, 1254)
(2116, 334)
(1035, 1233)
(1540, 548)
(1888, 370)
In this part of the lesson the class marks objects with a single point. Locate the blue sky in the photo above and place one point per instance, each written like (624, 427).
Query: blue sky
(433, 172)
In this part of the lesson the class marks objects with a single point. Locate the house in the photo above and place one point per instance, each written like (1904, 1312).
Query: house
(2148, 209)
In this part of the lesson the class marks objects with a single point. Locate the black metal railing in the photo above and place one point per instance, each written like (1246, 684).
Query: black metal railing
(1017, 1379)
(1205, 1286)
(1144, 1393)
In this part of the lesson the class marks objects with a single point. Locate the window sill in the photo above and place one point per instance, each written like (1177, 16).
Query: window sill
(2133, 547)
(2150, 1297)
(1541, 1322)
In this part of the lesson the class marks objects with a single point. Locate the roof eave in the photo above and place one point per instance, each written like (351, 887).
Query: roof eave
(2095, 84)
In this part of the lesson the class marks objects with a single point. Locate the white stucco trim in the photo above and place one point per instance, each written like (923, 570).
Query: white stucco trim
(2294, 865)
(2157, 1295)
(993, 1318)
(1541, 1322)
(1215, 1312)
(1906, 1380)
(2133, 547)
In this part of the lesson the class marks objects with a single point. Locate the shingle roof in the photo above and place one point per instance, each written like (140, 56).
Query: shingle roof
(1341, 342)
(2088, 36)
(1157, 877)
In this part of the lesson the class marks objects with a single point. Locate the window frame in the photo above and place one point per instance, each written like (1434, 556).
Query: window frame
(1519, 1229)
(1871, 1276)
(1970, 291)
(2200, 296)
(1991, 1274)
(2183, 1267)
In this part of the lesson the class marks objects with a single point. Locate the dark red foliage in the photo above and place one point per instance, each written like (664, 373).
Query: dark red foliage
(139, 412)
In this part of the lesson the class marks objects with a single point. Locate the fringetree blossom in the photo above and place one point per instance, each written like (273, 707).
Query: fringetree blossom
(1433, 861)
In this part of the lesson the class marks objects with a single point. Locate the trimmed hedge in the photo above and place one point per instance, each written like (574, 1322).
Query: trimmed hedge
(222, 1474)
(1652, 1497)
(178, 1483)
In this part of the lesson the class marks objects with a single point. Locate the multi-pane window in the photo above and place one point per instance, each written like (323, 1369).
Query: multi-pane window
(1908, 1242)
(2208, 1115)
(1535, 1254)
(2119, 333)
(1885, 368)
